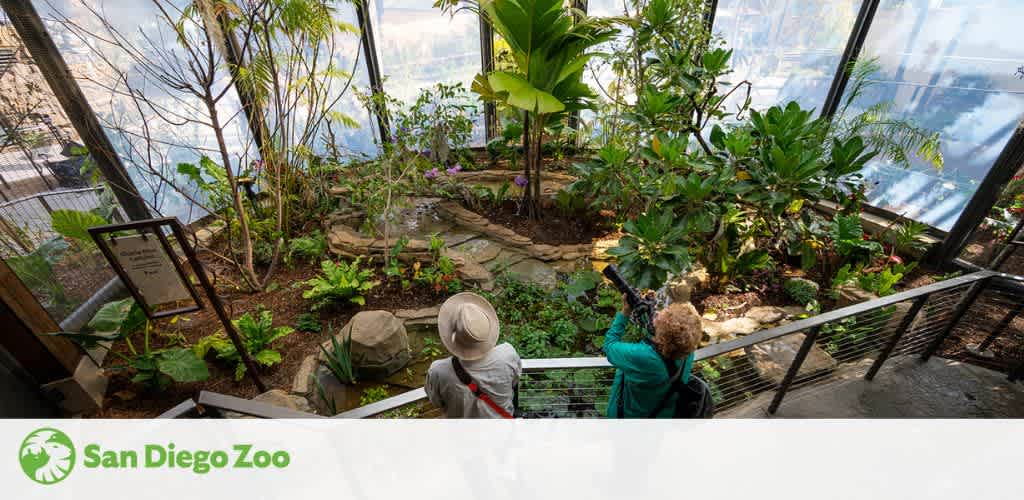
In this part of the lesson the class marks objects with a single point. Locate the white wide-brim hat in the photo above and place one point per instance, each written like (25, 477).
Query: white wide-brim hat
(468, 326)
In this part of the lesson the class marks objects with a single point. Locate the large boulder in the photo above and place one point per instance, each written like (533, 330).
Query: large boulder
(380, 344)
(681, 289)
(850, 293)
(772, 359)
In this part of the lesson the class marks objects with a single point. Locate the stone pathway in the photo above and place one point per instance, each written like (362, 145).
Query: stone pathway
(904, 388)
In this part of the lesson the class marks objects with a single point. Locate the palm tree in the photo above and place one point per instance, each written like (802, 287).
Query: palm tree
(549, 44)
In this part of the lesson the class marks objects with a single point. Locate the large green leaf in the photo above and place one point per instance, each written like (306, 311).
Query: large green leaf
(119, 316)
(182, 365)
(75, 224)
(523, 95)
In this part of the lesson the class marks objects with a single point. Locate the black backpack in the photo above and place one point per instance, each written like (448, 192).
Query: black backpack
(693, 397)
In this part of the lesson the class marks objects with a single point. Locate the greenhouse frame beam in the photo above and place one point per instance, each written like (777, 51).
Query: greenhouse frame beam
(487, 66)
(250, 106)
(709, 16)
(369, 44)
(858, 35)
(54, 69)
(986, 196)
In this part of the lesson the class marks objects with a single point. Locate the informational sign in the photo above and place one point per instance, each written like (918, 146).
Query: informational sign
(148, 266)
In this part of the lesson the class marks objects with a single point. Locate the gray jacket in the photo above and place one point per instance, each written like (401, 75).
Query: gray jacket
(497, 375)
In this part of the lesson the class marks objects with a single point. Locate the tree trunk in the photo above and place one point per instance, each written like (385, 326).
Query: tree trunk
(248, 267)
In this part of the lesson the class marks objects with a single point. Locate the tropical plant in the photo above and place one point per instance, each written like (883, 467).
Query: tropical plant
(549, 45)
(328, 399)
(257, 334)
(309, 248)
(308, 322)
(905, 238)
(155, 368)
(35, 270)
(440, 276)
(896, 139)
(339, 359)
(75, 224)
(373, 394)
(652, 247)
(802, 291)
(848, 239)
(339, 281)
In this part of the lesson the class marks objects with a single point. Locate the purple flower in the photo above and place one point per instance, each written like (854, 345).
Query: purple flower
(432, 173)
(520, 180)
(454, 170)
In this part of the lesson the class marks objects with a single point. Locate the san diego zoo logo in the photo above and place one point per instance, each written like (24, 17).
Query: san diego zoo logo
(47, 456)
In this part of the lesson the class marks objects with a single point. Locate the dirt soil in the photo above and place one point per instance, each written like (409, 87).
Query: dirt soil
(284, 298)
(553, 227)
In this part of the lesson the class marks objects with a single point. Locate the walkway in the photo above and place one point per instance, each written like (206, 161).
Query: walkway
(904, 388)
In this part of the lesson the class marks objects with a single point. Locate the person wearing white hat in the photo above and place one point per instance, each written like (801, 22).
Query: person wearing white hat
(480, 379)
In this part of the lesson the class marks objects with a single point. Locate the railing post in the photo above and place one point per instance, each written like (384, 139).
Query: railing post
(794, 368)
(965, 303)
(908, 319)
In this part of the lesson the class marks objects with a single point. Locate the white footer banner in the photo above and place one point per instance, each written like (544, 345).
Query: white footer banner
(521, 460)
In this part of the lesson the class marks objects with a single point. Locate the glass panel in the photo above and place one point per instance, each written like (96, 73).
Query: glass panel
(342, 52)
(599, 74)
(419, 46)
(953, 67)
(789, 50)
(119, 50)
(41, 179)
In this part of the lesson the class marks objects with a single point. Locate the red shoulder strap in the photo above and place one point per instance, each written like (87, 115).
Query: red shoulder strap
(464, 377)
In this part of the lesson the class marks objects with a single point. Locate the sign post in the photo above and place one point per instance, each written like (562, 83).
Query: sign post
(148, 266)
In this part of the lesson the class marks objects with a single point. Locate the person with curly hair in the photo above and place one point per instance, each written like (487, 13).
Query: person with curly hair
(642, 379)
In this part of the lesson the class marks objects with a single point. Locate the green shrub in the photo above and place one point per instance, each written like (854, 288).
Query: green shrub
(373, 394)
(308, 248)
(652, 248)
(339, 281)
(802, 291)
(256, 332)
(308, 322)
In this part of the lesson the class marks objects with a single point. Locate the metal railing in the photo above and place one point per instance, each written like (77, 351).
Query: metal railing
(914, 322)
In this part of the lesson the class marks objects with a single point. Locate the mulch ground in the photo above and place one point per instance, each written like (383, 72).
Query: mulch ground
(553, 227)
(283, 297)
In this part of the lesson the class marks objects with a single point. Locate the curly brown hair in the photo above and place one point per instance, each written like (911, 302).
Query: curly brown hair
(677, 331)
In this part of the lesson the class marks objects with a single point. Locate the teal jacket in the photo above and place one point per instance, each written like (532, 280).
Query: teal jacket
(640, 375)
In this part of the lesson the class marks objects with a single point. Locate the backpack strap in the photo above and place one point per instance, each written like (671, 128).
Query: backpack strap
(671, 383)
(466, 379)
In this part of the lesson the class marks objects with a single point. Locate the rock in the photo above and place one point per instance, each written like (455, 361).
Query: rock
(300, 384)
(535, 271)
(339, 396)
(469, 271)
(766, 314)
(731, 328)
(505, 259)
(771, 359)
(567, 266)
(425, 312)
(479, 250)
(424, 316)
(680, 289)
(455, 237)
(380, 345)
(277, 397)
(850, 294)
